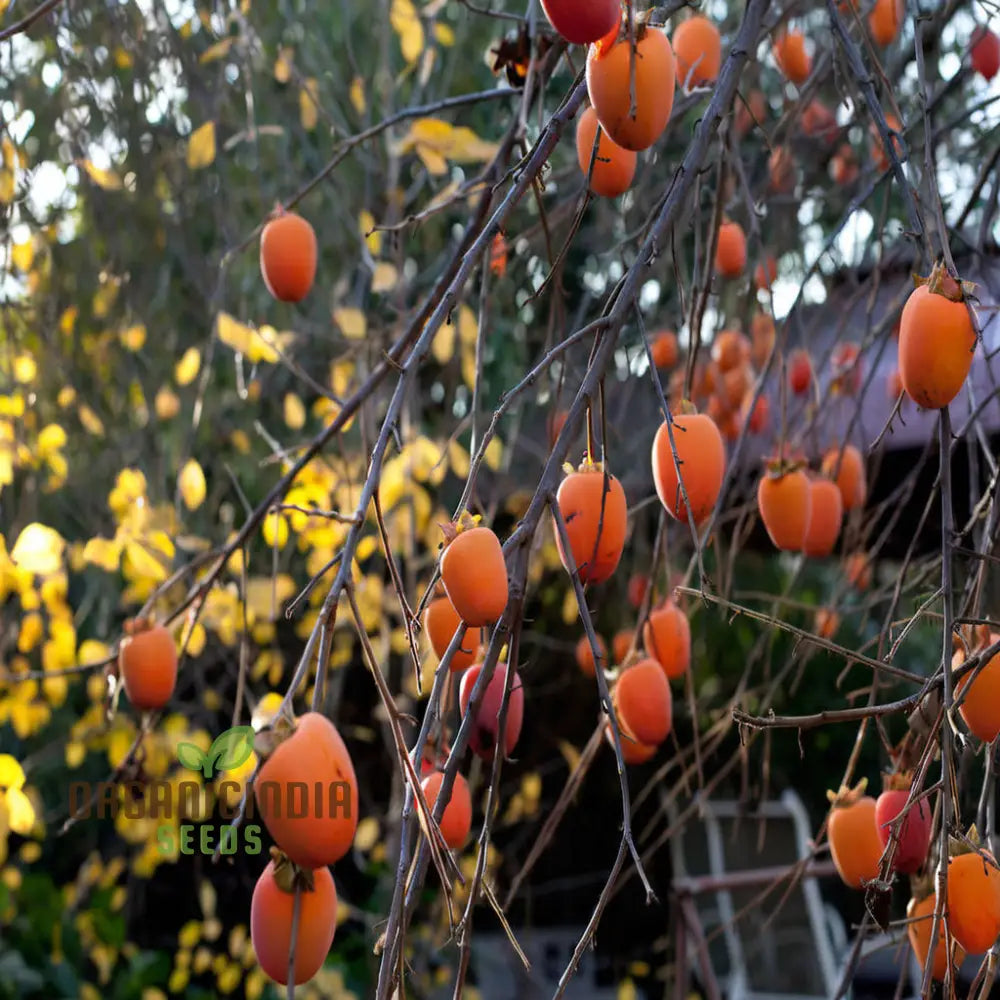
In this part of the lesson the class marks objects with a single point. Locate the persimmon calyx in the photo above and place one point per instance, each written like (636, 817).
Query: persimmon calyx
(779, 466)
(136, 626)
(464, 522)
(288, 876)
(587, 465)
(940, 282)
(685, 408)
(897, 781)
(846, 796)
(268, 739)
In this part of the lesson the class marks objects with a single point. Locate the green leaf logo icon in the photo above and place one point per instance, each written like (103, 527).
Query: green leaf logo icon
(229, 750)
(191, 756)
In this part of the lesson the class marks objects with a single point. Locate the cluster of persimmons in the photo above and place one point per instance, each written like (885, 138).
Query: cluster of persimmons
(802, 511)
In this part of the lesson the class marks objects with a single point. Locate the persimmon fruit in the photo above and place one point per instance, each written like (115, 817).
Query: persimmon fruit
(936, 341)
(667, 638)
(643, 702)
(984, 52)
(582, 22)
(858, 571)
(850, 476)
(879, 153)
(621, 643)
(920, 917)
(313, 757)
(756, 415)
(697, 51)
(595, 513)
(486, 724)
(974, 901)
(885, 20)
(456, 821)
(799, 372)
(638, 586)
(766, 273)
(762, 338)
(633, 752)
(474, 573)
(980, 707)
(781, 170)
(855, 845)
(784, 499)
(792, 57)
(288, 256)
(614, 166)
(819, 122)
(825, 518)
(731, 250)
(442, 621)
(915, 831)
(663, 349)
(749, 113)
(701, 457)
(272, 914)
(585, 655)
(730, 349)
(609, 88)
(147, 663)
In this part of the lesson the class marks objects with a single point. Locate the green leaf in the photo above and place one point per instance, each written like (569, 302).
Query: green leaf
(232, 748)
(191, 756)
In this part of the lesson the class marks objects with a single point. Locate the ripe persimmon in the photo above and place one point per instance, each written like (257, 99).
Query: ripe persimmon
(667, 638)
(456, 821)
(791, 56)
(854, 841)
(915, 830)
(638, 586)
(621, 643)
(609, 87)
(974, 901)
(311, 757)
(596, 516)
(936, 341)
(762, 337)
(781, 170)
(442, 621)
(755, 415)
(730, 349)
(766, 273)
(784, 500)
(581, 23)
(486, 725)
(663, 348)
(920, 917)
(984, 52)
(850, 476)
(884, 20)
(701, 457)
(633, 752)
(288, 256)
(858, 571)
(697, 51)
(731, 250)
(879, 153)
(825, 517)
(827, 623)
(643, 702)
(819, 122)
(844, 167)
(614, 166)
(846, 368)
(585, 655)
(272, 909)
(980, 707)
(147, 663)
(799, 372)
(474, 572)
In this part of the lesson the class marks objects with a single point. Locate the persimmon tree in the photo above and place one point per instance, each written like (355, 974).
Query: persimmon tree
(364, 375)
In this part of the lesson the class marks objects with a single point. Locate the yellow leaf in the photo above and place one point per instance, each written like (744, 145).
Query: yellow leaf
(166, 403)
(366, 835)
(25, 369)
(11, 772)
(7, 186)
(106, 179)
(191, 483)
(22, 812)
(68, 319)
(626, 990)
(384, 278)
(444, 34)
(66, 397)
(468, 328)
(436, 141)
(186, 370)
(352, 322)
(469, 367)
(123, 60)
(261, 590)
(275, 529)
(570, 754)
(134, 337)
(38, 549)
(256, 345)
(201, 146)
(91, 421)
(103, 552)
(295, 411)
(217, 51)
(50, 439)
(22, 254)
(9, 153)
(357, 95)
(406, 23)
(443, 344)
(493, 455)
(309, 104)
(283, 65)
(458, 459)
(366, 223)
